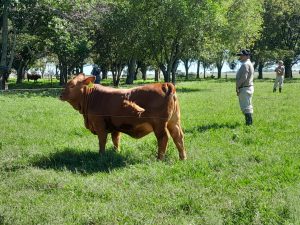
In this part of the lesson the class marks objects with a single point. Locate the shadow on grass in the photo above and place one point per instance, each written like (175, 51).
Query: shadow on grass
(190, 90)
(85, 162)
(213, 126)
(224, 80)
(33, 85)
(29, 93)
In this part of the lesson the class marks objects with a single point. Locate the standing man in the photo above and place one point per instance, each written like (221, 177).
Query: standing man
(279, 76)
(96, 72)
(244, 84)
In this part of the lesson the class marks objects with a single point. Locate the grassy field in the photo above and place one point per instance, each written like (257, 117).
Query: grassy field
(51, 173)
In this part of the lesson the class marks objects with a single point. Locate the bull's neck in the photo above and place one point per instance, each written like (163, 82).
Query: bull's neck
(87, 92)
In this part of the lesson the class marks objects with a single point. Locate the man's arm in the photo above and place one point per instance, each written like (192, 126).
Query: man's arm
(241, 76)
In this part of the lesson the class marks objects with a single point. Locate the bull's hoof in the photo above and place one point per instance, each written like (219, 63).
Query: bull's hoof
(160, 157)
(117, 149)
(182, 156)
(101, 152)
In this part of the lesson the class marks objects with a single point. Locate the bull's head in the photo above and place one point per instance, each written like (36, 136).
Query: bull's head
(74, 89)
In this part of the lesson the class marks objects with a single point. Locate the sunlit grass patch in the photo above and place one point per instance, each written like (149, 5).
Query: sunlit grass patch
(51, 172)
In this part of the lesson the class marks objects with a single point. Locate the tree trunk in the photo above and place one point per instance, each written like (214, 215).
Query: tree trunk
(56, 70)
(174, 69)
(219, 64)
(219, 67)
(157, 75)
(136, 71)
(70, 71)
(3, 65)
(198, 69)
(65, 75)
(135, 74)
(186, 66)
(166, 72)
(288, 69)
(104, 73)
(260, 70)
(116, 73)
(81, 68)
(166, 75)
(131, 71)
(114, 76)
(20, 72)
(63, 78)
(61, 81)
(12, 54)
(204, 71)
(119, 73)
(144, 71)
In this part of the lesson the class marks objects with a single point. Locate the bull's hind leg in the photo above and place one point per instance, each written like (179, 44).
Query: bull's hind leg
(161, 134)
(115, 136)
(177, 135)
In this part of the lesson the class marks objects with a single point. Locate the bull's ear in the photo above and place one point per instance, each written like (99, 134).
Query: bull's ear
(88, 80)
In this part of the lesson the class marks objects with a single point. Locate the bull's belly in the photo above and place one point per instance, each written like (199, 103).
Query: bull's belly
(136, 131)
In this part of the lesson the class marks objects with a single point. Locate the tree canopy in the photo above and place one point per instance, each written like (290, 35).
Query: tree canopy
(138, 34)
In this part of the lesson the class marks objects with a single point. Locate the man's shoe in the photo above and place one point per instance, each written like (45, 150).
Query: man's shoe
(248, 118)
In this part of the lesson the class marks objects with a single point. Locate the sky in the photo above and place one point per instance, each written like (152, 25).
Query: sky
(87, 69)
(193, 69)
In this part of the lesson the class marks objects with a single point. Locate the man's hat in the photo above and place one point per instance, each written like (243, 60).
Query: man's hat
(244, 52)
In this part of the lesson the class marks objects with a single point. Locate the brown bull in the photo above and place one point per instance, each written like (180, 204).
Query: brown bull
(136, 112)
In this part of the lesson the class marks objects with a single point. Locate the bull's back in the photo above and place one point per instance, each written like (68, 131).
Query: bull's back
(158, 102)
(153, 97)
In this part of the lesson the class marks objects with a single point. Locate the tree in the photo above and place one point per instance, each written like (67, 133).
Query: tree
(4, 47)
(280, 37)
(28, 22)
(168, 28)
(69, 33)
(287, 34)
(237, 25)
(28, 49)
(110, 42)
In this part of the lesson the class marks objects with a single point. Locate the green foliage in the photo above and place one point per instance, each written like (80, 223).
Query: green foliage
(280, 36)
(51, 173)
(155, 33)
(235, 25)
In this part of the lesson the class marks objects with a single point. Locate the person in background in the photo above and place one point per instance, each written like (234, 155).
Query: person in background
(279, 76)
(96, 72)
(245, 85)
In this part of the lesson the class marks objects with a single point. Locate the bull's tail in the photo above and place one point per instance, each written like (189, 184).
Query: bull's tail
(170, 91)
(176, 109)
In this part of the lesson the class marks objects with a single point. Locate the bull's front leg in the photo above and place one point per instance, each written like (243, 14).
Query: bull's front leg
(161, 134)
(102, 137)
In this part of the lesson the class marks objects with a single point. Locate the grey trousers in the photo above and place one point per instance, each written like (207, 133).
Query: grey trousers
(245, 99)
(279, 80)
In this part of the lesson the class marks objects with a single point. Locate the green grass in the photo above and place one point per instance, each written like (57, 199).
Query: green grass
(51, 173)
